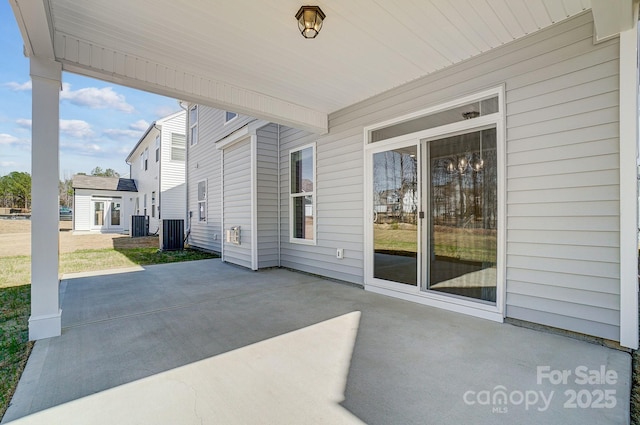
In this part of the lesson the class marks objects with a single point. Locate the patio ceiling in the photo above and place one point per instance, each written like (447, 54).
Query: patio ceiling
(247, 55)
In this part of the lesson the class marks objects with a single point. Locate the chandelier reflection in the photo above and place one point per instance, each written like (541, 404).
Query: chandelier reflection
(469, 162)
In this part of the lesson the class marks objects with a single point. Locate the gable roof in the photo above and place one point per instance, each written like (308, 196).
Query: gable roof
(103, 183)
(156, 124)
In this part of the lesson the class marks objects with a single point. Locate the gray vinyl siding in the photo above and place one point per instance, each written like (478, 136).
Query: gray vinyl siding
(205, 162)
(267, 195)
(237, 201)
(339, 204)
(562, 200)
(172, 175)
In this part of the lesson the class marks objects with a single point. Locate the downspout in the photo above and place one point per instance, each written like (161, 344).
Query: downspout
(159, 190)
(187, 231)
(279, 203)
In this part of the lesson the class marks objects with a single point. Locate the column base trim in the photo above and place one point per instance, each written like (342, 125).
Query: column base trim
(45, 326)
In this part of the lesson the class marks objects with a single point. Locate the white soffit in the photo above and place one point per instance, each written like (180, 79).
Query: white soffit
(248, 56)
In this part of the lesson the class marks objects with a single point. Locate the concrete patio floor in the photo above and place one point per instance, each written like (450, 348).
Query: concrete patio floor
(206, 342)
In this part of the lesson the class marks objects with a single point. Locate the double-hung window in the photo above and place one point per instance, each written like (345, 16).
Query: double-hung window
(157, 148)
(146, 158)
(193, 125)
(153, 204)
(202, 200)
(178, 147)
(302, 202)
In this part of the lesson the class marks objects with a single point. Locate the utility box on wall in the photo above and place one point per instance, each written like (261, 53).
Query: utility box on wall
(233, 235)
(172, 235)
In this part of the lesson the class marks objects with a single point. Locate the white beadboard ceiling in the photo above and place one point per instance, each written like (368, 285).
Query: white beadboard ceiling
(365, 47)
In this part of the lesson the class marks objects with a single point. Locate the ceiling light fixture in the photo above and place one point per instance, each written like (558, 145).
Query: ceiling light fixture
(310, 20)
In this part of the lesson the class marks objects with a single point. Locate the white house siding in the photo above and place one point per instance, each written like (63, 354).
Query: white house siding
(267, 195)
(147, 181)
(82, 208)
(172, 199)
(562, 174)
(237, 201)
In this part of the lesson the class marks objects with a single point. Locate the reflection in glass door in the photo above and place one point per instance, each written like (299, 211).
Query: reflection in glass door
(115, 214)
(98, 213)
(395, 213)
(106, 213)
(462, 218)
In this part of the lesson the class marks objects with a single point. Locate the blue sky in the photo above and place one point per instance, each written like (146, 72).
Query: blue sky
(99, 122)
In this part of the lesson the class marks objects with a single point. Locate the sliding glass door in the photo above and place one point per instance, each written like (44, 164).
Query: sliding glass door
(395, 215)
(440, 236)
(462, 215)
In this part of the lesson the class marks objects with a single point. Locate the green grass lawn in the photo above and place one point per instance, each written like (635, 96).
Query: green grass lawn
(16, 271)
(14, 339)
(15, 302)
(464, 244)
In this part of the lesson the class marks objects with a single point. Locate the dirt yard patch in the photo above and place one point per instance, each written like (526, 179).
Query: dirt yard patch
(15, 239)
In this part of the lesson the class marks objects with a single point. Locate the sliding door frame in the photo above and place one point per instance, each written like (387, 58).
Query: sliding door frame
(495, 312)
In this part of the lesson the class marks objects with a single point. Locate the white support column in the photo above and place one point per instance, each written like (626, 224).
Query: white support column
(629, 185)
(45, 320)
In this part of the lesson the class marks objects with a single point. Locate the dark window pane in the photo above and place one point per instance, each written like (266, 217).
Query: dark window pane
(303, 217)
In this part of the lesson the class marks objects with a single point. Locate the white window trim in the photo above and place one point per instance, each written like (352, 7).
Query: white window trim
(226, 121)
(313, 195)
(192, 125)
(474, 308)
(184, 148)
(157, 150)
(205, 201)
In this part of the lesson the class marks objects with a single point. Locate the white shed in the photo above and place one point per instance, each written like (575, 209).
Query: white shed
(102, 204)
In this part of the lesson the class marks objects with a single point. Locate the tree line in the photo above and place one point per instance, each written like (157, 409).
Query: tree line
(15, 188)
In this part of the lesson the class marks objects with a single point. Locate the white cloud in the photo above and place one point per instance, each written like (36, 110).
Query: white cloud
(164, 110)
(76, 128)
(8, 139)
(19, 86)
(95, 98)
(134, 131)
(117, 133)
(81, 148)
(24, 123)
(141, 125)
(8, 163)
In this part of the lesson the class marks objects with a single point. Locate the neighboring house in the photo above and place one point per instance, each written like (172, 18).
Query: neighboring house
(514, 156)
(156, 164)
(102, 204)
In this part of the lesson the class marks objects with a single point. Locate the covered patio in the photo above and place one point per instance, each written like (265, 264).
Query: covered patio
(207, 342)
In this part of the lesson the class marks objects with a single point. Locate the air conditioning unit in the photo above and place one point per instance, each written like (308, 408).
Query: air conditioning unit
(172, 235)
(139, 226)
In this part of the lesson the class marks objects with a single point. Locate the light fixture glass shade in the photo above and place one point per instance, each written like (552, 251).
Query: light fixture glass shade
(310, 20)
